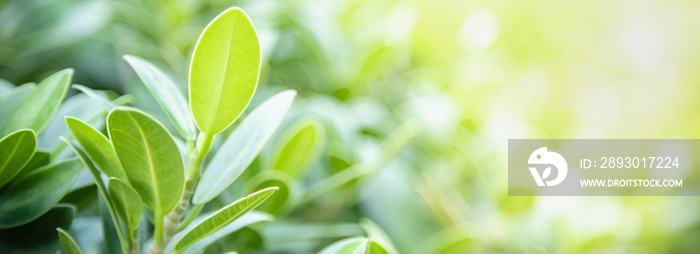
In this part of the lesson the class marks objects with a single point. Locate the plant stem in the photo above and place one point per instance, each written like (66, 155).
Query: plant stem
(134, 241)
(193, 174)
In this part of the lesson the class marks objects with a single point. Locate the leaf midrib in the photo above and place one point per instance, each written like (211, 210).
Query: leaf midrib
(220, 86)
(156, 195)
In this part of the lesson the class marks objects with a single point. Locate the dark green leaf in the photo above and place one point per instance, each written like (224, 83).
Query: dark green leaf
(30, 197)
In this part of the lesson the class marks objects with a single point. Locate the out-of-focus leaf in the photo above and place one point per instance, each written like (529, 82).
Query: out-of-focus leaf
(221, 218)
(79, 106)
(224, 71)
(354, 245)
(10, 100)
(38, 236)
(242, 146)
(101, 100)
(5, 86)
(299, 146)
(243, 221)
(30, 197)
(166, 94)
(69, 245)
(36, 109)
(286, 196)
(97, 147)
(16, 150)
(377, 234)
(149, 156)
(127, 203)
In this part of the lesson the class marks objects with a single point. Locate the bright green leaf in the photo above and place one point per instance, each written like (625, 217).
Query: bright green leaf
(97, 147)
(221, 218)
(149, 156)
(224, 71)
(354, 245)
(242, 146)
(101, 100)
(243, 221)
(38, 236)
(167, 94)
(299, 146)
(36, 109)
(377, 234)
(16, 150)
(69, 245)
(127, 203)
(30, 197)
(10, 100)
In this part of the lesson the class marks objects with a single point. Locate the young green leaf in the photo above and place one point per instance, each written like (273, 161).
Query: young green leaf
(39, 235)
(167, 94)
(127, 203)
(16, 150)
(30, 197)
(10, 100)
(101, 100)
(354, 245)
(149, 156)
(69, 245)
(36, 109)
(242, 146)
(224, 71)
(300, 145)
(221, 218)
(97, 147)
(247, 219)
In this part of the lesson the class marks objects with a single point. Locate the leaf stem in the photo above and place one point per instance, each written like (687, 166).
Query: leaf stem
(193, 173)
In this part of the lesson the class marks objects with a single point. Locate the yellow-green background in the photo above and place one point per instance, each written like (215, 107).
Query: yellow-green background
(469, 74)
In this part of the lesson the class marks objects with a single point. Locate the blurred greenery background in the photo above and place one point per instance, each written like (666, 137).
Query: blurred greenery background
(425, 92)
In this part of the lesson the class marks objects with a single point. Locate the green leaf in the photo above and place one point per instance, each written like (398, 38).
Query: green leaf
(38, 236)
(38, 160)
(166, 94)
(243, 221)
(69, 245)
(10, 100)
(149, 156)
(16, 150)
(377, 234)
(286, 196)
(101, 100)
(30, 197)
(109, 229)
(221, 218)
(299, 146)
(35, 110)
(354, 245)
(97, 147)
(242, 146)
(126, 202)
(224, 71)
